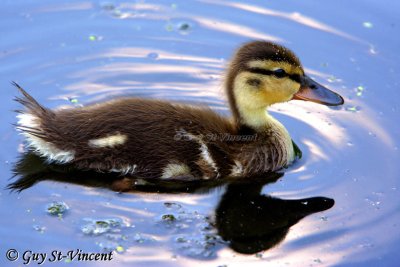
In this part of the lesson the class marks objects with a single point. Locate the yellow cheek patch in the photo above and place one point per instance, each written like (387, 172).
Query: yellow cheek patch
(271, 90)
(279, 89)
(246, 95)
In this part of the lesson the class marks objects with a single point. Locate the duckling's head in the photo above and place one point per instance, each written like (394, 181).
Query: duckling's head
(264, 73)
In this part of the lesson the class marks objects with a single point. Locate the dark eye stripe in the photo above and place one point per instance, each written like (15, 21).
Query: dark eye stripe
(261, 71)
(293, 77)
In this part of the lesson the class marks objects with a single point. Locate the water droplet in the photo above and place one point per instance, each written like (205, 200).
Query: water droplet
(184, 27)
(168, 218)
(169, 27)
(120, 249)
(108, 246)
(366, 245)
(181, 240)
(152, 55)
(372, 50)
(353, 108)
(40, 229)
(138, 238)
(98, 227)
(94, 37)
(317, 261)
(350, 144)
(117, 13)
(107, 6)
(259, 255)
(331, 79)
(172, 204)
(367, 24)
(324, 218)
(57, 208)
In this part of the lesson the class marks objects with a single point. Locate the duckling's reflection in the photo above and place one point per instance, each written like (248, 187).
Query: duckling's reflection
(252, 222)
(249, 221)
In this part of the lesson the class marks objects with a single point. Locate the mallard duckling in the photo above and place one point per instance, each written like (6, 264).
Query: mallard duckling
(147, 139)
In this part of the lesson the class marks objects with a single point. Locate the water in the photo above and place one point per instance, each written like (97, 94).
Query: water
(77, 52)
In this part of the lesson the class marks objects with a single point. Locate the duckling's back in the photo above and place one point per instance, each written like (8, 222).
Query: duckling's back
(133, 137)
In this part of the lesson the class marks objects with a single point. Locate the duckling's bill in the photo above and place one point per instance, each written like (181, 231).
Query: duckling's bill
(312, 91)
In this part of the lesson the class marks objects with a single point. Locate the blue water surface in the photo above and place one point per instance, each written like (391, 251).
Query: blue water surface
(88, 51)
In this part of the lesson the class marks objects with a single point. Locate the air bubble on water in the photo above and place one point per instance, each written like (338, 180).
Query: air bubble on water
(101, 226)
(94, 37)
(107, 6)
(331, 79)
(169, 27)
(168, 218)
(259, 255)
(367, 24)
(353, 108)
(317, 260)
(184, 27)
(324, 218)
(372, 50)
(39, 228)
(57, 208)
(152, 55)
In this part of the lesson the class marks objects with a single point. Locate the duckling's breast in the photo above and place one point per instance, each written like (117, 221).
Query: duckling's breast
(271, 151)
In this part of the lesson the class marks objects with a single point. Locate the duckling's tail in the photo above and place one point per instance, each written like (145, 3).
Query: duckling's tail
(29, 102)
(35, 123)
(29, 119)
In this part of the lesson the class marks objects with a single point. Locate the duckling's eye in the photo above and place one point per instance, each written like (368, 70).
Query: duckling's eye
(253, 82)
(280, 73)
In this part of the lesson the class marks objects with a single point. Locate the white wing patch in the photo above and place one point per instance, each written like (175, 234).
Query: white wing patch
(40, 146)
(237, 169)
(205, 153)
(129, 169)
(108, 141)
(174, 169)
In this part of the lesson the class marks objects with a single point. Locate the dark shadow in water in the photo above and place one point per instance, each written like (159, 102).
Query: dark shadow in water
(249, 221)
(252, 222)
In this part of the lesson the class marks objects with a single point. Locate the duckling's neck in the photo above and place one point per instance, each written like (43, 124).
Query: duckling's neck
(257, 119)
